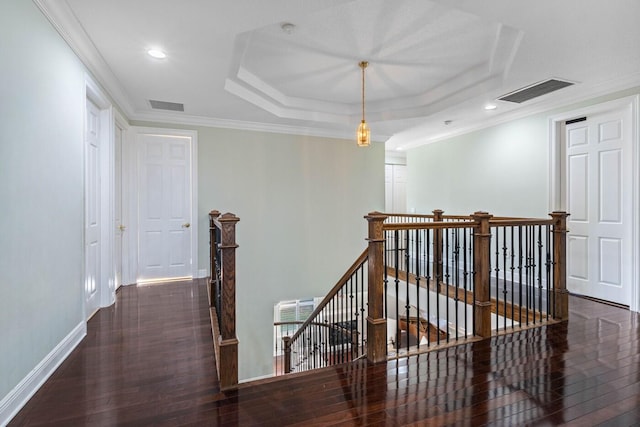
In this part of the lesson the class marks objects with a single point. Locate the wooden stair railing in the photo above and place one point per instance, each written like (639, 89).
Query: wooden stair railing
(493, 274)
(466, 267)
(342, 312)
(222, 296)
(317, 356)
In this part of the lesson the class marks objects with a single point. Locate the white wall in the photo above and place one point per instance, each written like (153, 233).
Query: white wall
(41, 191)
(503, 170)
(301, 202)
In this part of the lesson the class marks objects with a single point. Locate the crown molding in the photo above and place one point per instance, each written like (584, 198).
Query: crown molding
(64, 21)
(189, 120)
(605, 88)
(62, 18)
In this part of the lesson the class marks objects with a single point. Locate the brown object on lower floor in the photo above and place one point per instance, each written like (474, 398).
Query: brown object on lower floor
(148, 360)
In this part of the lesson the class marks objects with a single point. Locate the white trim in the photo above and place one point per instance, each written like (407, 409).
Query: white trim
(71, 30)
(615, 85)
(21, 393)
(202, 273)
(635, 204)
(123, 125)
(94, 93)
(261, 377)
(64, 21)
(555, 163)
(193, 135)
(185, 119)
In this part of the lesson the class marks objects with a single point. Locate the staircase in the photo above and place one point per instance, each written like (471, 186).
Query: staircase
(424, 282)
(431, 281)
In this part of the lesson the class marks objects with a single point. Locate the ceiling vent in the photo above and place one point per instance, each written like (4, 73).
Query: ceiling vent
(535, 90)
(164, 105)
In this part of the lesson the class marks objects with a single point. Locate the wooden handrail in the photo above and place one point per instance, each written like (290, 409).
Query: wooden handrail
(323, 324)
(519, 221)
(406, 215)
(426, 225)
(332, 293)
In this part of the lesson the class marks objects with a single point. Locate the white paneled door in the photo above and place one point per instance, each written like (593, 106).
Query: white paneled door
(599, 184)
(164, 207)
(92, 210)
(395, 188)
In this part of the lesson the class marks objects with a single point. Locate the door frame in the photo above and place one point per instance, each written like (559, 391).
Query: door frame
(106, 284)
(134, 194)
(125, 216)
(557, 158)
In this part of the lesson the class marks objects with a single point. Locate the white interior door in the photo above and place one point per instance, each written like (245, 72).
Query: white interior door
(395, 188)
(399, 188)
(388, 189)
(92, 210)
(164, 206)
(598, 198)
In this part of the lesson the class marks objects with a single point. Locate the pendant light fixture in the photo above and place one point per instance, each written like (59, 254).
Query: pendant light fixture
(363, 134)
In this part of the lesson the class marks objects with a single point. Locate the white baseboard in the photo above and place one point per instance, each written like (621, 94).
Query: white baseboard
(261, 377)
(20, 395)
(202, 273)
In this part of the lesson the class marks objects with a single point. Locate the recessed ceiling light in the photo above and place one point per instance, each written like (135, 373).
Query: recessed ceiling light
(490, 107)
(157, 53)
(399, 148)
(288, 27)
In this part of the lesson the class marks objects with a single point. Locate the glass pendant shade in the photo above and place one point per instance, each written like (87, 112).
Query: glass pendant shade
(363, 135)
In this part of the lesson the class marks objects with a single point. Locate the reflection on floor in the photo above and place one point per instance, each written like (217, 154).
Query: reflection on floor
(148, 360)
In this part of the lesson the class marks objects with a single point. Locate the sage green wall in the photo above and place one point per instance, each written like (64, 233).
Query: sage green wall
(502, 169)
(301, 202)
(41, 189)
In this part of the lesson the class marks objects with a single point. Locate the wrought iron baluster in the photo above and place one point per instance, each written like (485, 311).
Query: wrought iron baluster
(512, 268)
(520, 257)
(418, 271)
(548, 272)
(539, 267)
(447, 285)
(504, 275)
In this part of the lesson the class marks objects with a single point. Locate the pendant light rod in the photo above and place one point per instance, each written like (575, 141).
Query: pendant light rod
(363, 132)
(363, 65)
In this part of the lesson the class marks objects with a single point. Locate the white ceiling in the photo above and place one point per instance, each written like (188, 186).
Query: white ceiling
(231, 64)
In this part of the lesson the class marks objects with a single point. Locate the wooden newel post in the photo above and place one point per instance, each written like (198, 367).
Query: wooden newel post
(376, 323)
(560, 293)
(228, 339)
(437, 251)
(213, 291)
(481, 278)
(286, 341)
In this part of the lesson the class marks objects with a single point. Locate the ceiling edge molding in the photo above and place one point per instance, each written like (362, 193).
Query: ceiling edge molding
(259, 99)
(62, 18)
(183, 119)
(610, 87)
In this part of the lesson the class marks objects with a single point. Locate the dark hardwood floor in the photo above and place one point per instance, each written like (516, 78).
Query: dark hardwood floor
(148, 360)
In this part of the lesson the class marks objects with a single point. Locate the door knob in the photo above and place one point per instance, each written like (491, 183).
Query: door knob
(122, 227)
(186, 225)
